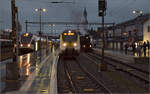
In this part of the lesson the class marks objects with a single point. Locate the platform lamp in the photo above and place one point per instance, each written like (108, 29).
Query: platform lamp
(138, 13)
(40, 10)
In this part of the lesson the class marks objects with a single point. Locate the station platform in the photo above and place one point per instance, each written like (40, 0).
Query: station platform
(141, 62)
(43, 79)
(37, 78)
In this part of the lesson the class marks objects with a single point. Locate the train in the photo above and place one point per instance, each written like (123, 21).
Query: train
(85, 42)
(31, 41)
(70, 43)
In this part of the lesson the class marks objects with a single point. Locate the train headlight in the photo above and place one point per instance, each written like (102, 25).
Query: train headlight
(64, 44)
(29, 45)
(75, 44)
(21, 45)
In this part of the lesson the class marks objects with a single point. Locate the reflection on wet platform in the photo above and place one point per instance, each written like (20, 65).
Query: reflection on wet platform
(24, 67)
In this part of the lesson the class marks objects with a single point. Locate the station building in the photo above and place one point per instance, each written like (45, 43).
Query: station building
(132, 31)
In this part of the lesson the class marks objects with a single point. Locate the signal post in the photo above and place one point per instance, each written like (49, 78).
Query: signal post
(101, 12)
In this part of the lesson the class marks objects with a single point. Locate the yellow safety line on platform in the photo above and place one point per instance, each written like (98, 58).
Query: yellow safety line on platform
(88, 90)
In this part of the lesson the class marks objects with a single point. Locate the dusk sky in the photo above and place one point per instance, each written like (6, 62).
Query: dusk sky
(117, 10)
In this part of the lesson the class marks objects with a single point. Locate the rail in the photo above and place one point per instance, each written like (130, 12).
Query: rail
(115, 62)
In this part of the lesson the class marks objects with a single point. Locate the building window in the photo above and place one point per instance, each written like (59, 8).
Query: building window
(148, 28)
(129, 33)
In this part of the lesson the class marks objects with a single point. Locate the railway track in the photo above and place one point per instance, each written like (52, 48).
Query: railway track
(65, 84)
(131, 70)
(79, 79)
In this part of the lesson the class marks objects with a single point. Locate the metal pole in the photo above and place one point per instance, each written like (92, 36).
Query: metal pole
(137, 24)
(103, 41)
(26, 26)
(40, 37)
(13, 36)
(17, 36)
(103, 65)
(47, 51)
(113, 35)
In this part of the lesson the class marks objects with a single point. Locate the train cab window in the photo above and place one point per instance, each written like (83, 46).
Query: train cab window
(26, 38)
(69, 36)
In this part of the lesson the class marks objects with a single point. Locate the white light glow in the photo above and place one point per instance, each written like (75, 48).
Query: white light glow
(64, 44)
(75, 44)
(44, 10)
(36, 10)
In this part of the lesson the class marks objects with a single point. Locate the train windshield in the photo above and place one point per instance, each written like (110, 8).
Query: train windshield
(26, 38)
(69, 37)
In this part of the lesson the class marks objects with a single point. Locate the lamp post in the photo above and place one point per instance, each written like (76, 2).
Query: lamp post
(40, 10)
(138, 13)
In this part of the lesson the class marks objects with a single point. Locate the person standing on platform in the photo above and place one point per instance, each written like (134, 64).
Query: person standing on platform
(144, 48)
(126, 48)
(148, 46)
(139, 47)
(133, 48)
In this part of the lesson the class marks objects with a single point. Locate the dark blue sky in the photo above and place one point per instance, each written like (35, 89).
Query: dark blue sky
(117, 10)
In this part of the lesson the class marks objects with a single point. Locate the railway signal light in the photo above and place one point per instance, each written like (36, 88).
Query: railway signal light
(101, 7)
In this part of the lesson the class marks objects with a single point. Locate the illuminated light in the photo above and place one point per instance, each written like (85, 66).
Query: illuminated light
(27, 65)
(70, 34)
(124, 33)
(36, 46)
(21, 45)
(26, 35)
(15, 45)
(87, 37)
(141, 12)
(75, 44)
(44, 10)
(69, 31)
(44, 91)
(90, 45)
(27, 72)
(133, 11)
(64, 44)
(36, 10)
(65, 34)
(83, 45)
(29, 45)
(80, 78)
(28, 58)
(20, 63)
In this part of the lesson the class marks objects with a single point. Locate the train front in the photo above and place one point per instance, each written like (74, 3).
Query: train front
(69, 43)
(26, 39)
